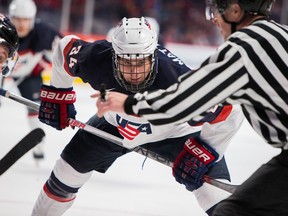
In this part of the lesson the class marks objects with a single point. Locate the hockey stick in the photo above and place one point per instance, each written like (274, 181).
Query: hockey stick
(22, 147)
(152, 155)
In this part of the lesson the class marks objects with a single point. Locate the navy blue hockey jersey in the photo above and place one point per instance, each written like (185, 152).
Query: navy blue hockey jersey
(92, 62)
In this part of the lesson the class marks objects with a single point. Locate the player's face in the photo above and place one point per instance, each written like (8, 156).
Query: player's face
(4, 51)
(232, 14)
(23, 26)
(135, 71)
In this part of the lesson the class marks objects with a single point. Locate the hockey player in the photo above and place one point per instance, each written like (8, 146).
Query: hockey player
(249, 68)
(36, 42)
(9, 44)
(131, 63)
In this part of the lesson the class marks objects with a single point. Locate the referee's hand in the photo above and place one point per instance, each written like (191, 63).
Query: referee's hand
(114, 101)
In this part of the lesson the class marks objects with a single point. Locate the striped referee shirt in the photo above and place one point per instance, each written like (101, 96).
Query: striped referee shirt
(250, 68)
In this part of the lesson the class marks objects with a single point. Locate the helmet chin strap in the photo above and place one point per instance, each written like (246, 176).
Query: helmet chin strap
(233, 27)
(233, 24)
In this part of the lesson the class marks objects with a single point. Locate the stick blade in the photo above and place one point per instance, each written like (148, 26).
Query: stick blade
(21, 148)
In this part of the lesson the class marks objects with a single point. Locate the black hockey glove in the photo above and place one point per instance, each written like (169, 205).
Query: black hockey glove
(57, 106)
(193, 162)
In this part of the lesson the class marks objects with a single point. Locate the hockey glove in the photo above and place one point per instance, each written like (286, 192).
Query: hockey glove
(57, 106)
(193, 162)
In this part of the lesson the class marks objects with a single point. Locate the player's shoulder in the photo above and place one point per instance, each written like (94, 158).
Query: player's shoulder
(42, 27)
(102, 44)
(97, 46)
(95, 52)
(165, 55)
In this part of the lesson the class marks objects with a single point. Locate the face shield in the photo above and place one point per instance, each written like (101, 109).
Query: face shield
(213, 7)
(134, 72)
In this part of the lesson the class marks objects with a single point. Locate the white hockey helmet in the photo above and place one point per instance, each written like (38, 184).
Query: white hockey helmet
(134, 39)
(22, 9)
(154, 24)
(110, 34)
(134, 36)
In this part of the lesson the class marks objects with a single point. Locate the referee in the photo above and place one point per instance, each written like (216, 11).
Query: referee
(250, 68)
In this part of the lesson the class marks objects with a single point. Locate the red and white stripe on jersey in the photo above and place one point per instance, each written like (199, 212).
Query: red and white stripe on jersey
(220, 114)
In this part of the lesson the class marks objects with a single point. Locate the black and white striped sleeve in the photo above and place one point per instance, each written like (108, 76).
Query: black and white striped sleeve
(219, 77)
(250, 69)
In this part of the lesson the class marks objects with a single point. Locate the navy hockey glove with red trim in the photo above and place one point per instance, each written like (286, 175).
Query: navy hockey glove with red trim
(57, 105)
(193, 162)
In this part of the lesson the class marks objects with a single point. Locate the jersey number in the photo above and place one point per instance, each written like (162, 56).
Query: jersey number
(74, 51)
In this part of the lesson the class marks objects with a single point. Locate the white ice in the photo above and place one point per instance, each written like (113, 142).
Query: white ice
(126, 189)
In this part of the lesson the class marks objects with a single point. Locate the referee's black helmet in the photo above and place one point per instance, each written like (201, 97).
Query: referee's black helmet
(251, 7)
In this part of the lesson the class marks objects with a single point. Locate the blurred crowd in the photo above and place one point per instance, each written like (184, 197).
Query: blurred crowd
(181, 21)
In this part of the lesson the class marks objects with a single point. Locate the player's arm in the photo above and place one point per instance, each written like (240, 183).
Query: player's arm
(201, 153)
(64, 61)
(57, 99)
(219, 126)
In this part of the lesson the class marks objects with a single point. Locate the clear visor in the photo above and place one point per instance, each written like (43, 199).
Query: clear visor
(134, 69)
(210, 12)
(134, 72)
(213, 9)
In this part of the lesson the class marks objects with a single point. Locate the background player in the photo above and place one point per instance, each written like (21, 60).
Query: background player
(36, 44)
